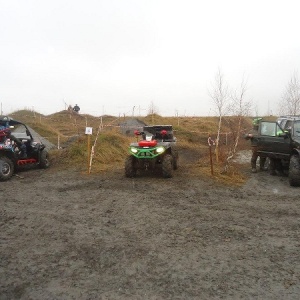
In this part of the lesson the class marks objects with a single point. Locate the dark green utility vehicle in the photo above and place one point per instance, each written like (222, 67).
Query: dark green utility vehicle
(155, 149)
(280, 141)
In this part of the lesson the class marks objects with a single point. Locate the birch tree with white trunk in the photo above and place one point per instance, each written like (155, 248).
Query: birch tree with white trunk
(219, 93)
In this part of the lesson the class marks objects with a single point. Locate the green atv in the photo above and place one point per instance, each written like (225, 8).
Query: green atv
(156, 150)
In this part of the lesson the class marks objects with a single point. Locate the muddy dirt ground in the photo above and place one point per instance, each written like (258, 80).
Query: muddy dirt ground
(68, 235)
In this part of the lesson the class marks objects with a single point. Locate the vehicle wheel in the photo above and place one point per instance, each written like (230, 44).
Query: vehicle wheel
(130, 170)
(167, 166)
(175, 161)
(294, 171)
(6, 168)
(44, 159)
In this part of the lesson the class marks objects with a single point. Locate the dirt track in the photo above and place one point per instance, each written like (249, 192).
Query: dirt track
(66, 235)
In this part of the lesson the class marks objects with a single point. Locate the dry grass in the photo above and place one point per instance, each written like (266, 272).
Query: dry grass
(111, 147)
(234, 176)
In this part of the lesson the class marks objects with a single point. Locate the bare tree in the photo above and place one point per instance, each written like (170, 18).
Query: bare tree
(219, 93)
(240, 108)
(256, 110)
(152, 109)
(290, 103)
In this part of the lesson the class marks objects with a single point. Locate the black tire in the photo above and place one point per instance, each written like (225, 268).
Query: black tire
(130, 170)
(167, 166)
(175, 163)
(294, 171)
(6, 168)
(44, 159)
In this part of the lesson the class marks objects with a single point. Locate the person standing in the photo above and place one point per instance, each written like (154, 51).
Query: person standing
(252, 136)
(76, 108)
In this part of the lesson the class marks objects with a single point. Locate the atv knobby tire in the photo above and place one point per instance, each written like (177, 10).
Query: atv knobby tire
(130, 170)
(175, 162)
(44, 160)
(6, 168)
(167, 166)
(294, 171)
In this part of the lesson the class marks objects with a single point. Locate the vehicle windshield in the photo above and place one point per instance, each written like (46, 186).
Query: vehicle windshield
(19, 131)
(297, 128)
(271, 129)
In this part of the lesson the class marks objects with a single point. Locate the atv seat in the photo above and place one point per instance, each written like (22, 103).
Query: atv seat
(151, 143)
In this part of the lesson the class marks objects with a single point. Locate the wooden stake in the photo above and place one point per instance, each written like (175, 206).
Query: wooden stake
(210, 142)
(88, 151)
(211, 162)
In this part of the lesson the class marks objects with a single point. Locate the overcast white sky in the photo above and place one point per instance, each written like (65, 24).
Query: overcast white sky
(119, 56)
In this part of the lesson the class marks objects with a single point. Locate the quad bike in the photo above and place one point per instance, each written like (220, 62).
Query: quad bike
(18, 148)
(156, 150)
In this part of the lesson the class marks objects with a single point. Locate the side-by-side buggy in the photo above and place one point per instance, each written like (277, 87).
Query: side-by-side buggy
(18, 148)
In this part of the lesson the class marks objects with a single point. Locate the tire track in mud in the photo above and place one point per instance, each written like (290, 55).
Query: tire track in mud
(68, 235)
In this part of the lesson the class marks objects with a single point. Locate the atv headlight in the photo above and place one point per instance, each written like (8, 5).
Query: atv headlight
(160, 149)
(133, 150)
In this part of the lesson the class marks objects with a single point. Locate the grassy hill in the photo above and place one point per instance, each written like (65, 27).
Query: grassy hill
(64, 125)
(67, 130)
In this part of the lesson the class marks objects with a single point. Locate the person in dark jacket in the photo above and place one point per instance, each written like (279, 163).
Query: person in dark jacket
(21, 146)
(76, 108)
(252, 136)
